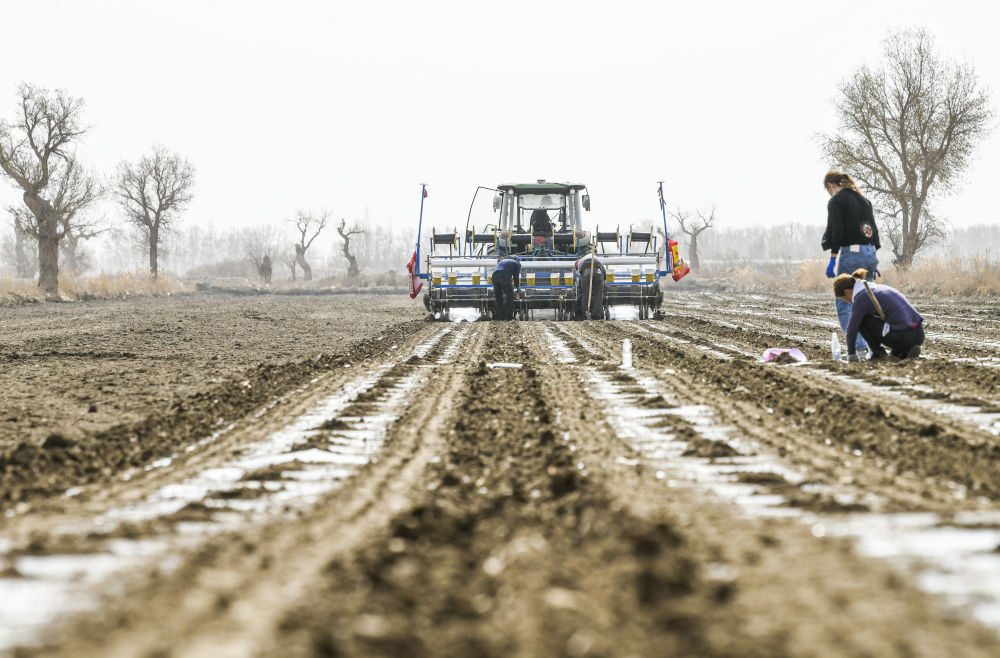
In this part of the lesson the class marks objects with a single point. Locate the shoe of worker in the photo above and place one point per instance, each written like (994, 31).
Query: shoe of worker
(914, 352)
(878, 356)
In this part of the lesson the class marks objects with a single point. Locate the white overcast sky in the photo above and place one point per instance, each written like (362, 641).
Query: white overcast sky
(351, 105)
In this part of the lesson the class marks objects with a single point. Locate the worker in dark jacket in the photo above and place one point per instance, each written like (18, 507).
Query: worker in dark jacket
(850, 233)
(540, 222)
(882, 315)
(590, 290)
(506, 275)
(541, 229)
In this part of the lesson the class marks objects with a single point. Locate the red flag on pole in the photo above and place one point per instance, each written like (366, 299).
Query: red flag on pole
(425, 192)
(415, 283)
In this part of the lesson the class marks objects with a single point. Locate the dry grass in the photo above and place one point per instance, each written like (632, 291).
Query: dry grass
(102, 286)
(976, 276)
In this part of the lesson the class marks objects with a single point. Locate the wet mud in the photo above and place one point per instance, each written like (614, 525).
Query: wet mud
(389, 486)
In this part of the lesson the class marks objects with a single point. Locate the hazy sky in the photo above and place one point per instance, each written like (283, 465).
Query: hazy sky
(351, 105)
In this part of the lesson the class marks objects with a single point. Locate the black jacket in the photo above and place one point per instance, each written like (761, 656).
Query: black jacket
(849, 220)
(540, 222)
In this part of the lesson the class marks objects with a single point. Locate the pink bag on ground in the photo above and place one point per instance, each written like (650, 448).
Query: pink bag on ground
(774, 352)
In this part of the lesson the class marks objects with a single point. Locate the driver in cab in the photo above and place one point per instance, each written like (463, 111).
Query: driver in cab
(541, 225)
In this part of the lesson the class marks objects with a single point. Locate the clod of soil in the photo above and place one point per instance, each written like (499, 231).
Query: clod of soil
(274, 471)
(333, 424)
(57, 442)
(701, 447)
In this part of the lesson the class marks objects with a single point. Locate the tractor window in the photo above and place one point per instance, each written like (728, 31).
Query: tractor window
(553, 204)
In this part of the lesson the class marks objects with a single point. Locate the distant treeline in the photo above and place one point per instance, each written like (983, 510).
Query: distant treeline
(209, 251)
(226, 252)
(752, 246)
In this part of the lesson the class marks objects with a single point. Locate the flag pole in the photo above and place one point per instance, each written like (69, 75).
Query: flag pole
(420, 224)
(666, 236)
(590, 288)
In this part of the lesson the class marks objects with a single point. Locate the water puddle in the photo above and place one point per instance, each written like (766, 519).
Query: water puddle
(449, 353)
(559, 348)
(463, 314)
(623, 312)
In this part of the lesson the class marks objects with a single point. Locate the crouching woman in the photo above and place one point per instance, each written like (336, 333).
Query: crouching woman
(882, 315)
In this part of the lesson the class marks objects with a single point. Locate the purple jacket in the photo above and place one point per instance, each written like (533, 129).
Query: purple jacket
(899, 313)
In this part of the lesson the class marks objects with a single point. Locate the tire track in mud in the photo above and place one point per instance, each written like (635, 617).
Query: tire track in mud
(766, 558)
(894, 448)
(240, 594)
(760, 431)
(514, 549)
(29, 472)
(238, 479)
(776, 589)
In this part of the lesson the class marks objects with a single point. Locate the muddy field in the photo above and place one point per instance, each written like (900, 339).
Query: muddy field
(335, 475)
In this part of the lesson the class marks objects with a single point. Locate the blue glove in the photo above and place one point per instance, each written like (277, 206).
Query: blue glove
(875, 273)
(830, 267)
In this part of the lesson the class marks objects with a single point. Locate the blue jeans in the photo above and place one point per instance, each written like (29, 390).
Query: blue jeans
(846, 264)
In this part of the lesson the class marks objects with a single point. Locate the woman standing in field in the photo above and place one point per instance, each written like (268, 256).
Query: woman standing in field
(882, 315)
(850, 232)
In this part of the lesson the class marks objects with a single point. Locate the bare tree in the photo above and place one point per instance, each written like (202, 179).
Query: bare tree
(290, 260)
(74, 258)
(346, 233)
(152, 192)
(309, 228)
(908, 131)
(77, 190)
(261, 243)
(73, 190)
(25, 262)
(693, 227)
(34, 149)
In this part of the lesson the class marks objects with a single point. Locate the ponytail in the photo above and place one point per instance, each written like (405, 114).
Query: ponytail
(841, 284)
(840, 179)
(846, 282)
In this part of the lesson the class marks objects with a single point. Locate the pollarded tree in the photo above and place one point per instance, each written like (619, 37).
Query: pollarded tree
(152, 192)
(73, 192)
(309, 227)
(35, 150)
(908, 131)
(346, 232)
(694, 227)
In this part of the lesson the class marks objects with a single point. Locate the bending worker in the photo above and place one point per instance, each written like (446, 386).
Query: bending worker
(507, 272)
(882, 315)
(850, 233)
(590, 288)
